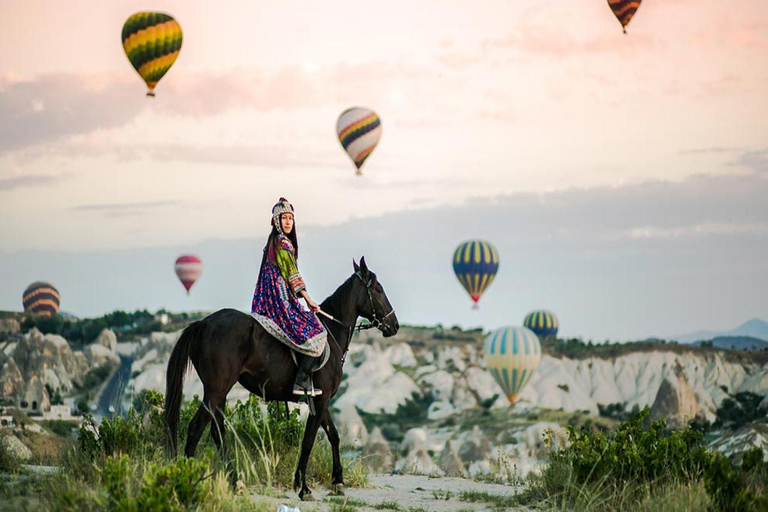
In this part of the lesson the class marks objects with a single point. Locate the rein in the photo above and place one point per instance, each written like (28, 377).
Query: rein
(359, 327)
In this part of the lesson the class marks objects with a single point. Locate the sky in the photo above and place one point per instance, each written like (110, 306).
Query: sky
(621, 177)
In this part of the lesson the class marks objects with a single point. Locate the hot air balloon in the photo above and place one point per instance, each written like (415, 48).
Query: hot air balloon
(542, 323)
(512, 354)
(624, 10)
(41, 298)
(359, 130)
(475, 263)
(152, 41)
(188, 269)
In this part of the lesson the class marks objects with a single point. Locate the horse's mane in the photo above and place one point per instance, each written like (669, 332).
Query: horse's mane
(338, 300)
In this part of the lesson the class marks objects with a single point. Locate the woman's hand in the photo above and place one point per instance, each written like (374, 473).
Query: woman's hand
(313, 307)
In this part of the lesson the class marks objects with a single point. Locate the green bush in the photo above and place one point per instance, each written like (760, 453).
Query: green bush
(634, 452)
(250, 423)
(61, 428)
(742, 409)
(618, 469)
(96, 376)
(147, 400)
(179, 485)
(165, 486)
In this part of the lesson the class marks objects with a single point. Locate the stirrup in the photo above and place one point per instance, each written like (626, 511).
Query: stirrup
(298, 389)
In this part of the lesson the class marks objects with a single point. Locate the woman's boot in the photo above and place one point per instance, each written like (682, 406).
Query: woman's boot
(303, 384)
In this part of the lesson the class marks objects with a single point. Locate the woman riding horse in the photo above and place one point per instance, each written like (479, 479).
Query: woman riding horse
(275, 301)
(230, 346)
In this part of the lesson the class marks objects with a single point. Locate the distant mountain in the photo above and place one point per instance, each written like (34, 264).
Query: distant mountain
(754, 328)
(736, 343)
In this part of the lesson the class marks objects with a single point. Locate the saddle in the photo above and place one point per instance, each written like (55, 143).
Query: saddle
(317, 362)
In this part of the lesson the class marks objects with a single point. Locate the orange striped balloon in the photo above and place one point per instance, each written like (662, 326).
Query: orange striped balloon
(624, 10)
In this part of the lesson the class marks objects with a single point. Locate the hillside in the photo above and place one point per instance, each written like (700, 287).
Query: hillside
(428, 387)
(425, 395)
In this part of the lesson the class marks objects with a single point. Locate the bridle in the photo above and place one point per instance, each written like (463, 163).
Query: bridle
(375, 323)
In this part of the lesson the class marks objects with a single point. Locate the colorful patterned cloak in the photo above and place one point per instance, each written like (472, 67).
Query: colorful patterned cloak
(276, 305)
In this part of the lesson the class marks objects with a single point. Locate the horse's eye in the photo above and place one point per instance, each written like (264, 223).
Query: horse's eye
(378, 288)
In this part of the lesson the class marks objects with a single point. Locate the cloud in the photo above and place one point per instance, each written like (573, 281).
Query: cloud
(701, 207)
(237, 155)
(33, 180)
(54, 106)
(540, 39)
(754, 160)
(712, 150)
(125, 209)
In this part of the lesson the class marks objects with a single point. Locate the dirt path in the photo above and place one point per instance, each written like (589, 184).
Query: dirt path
(412, 493)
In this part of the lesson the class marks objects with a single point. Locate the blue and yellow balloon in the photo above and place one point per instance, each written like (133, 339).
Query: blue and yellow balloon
(475, 263)
(512, 354)
(542, 322)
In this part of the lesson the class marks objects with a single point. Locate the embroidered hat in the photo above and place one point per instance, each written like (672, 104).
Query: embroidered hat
(282, 206)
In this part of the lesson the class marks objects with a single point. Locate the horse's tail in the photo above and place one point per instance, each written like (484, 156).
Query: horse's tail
(174, 383)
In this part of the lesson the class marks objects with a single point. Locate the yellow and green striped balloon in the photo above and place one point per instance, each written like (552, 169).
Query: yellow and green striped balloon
(152, 41)
(543, 323)
(512, 354)
(475, 263)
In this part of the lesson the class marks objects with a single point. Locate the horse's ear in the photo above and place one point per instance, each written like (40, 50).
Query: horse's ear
(363, 266)
(355, 266)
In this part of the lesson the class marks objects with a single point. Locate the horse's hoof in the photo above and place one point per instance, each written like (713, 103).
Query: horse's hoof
(307, 497)
(337, 490)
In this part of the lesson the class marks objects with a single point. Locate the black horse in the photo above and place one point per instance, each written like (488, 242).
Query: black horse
(230, 346)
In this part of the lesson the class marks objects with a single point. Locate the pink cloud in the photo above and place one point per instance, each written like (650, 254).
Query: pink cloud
(51, 107)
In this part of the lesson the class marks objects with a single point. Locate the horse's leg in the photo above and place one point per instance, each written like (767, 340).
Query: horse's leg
(213, 403)
(197, 427)
(300, 478)
(337, 481)
(217, 428)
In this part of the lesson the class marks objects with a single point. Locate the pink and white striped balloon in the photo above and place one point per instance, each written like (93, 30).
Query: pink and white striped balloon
(188, 268)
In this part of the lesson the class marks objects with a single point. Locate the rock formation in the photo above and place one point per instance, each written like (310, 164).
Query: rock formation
(46, 361)
(377, 453)
(450, 462)
(351, 427)
(675, 401)
(108, 339)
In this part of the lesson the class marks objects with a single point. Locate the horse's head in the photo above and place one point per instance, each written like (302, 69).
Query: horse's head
(373, 303)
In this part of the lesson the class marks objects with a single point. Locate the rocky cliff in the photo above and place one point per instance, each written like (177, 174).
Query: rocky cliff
(40, 362)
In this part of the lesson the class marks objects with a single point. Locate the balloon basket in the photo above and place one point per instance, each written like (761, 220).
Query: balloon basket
(358, 172)
(150, 94)
(475, 306)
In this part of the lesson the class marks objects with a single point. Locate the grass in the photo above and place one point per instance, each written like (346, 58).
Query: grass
(442, 495)
(496, 500)
(388, 505)
(346, 500)
(123, 464)
(342, 506)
